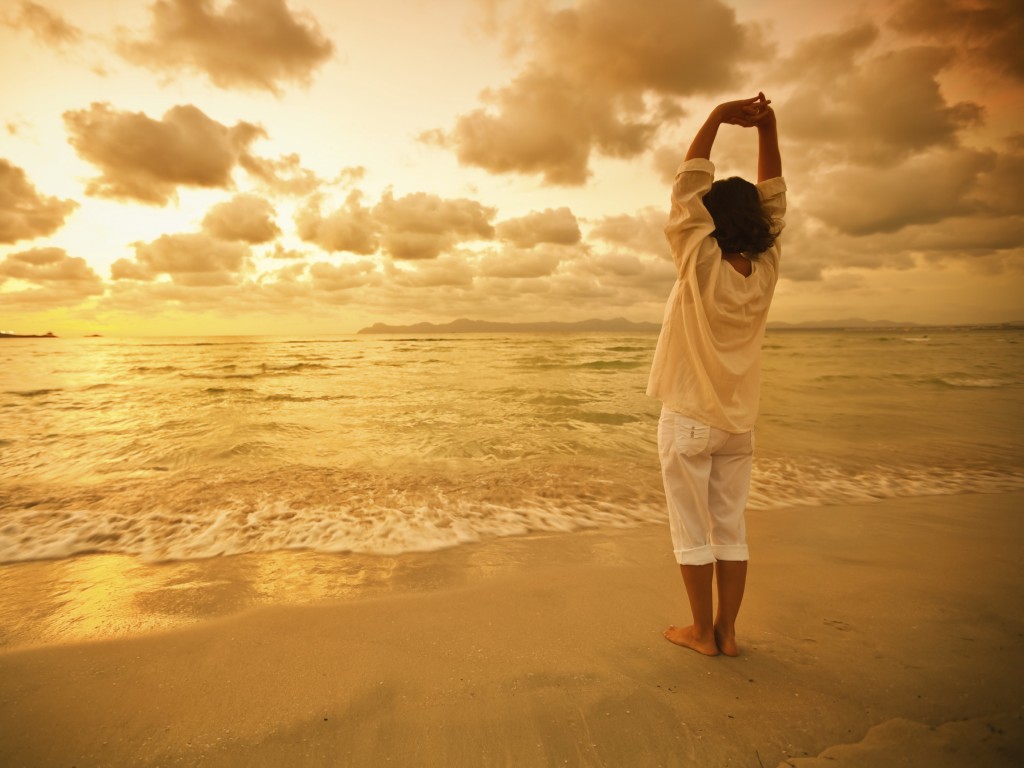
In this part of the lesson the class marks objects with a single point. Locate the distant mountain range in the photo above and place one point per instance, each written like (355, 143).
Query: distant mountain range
(622, 325)
(850, 322)
(463, 325)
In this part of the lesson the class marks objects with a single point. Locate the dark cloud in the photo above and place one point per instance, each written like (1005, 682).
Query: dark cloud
(922, 190)
(1000, 188)
(250, 44)
(47, 26)
(143, 159)
(542, 124)
(244, 217)
(24, 213)
(828, 55)
(962, 236)
(666, 47)
(600, 77)
(815, 252)
(846, 107)
(552, 225)
(986, 32)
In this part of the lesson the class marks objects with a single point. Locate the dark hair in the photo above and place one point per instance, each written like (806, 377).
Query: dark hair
(741, 225)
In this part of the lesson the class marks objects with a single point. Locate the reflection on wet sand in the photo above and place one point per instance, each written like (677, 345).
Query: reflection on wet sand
(100, 596)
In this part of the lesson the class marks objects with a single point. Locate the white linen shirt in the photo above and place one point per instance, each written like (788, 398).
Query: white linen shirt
(707, 364)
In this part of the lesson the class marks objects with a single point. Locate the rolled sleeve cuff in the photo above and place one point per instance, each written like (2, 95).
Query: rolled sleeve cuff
(696, 164)
(771, 187)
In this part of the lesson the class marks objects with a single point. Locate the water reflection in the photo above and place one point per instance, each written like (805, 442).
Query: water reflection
(103, 596)
(100, 596)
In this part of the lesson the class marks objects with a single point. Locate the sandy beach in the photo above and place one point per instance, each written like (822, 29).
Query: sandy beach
(881, 634)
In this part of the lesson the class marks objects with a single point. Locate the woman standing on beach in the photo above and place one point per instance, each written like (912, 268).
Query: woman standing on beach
(706, 371)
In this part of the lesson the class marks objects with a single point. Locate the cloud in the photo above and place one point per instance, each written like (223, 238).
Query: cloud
(422, 226)
(350, 228)
(280, 252)
(985, 32)
(285, 175)
(24, 213)
(813, 251)
(244, 217)
(48, 27)
(643, 231)
(416, 226)
(962, 237)
(924, 189)
(547, 124)
(446, 271)
(46, 265)
(127, 269)
(143, 159)
(251, 44)
(191, 259)
(332, 278)
(864, 118)
(1000, 188)
(288, 274)
(634, 278)
(512, 263)
(56, 278)
(648, 45)
(600, 77)
(552, 225)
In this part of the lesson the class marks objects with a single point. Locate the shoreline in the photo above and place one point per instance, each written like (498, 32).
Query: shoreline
(546, 650)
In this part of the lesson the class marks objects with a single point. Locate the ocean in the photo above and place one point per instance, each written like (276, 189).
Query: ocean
(178, 449)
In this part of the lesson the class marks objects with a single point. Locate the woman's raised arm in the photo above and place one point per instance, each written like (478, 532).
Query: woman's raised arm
(743, 112)
(769, 161)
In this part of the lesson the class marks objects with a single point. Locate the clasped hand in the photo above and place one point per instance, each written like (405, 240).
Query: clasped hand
(746, 112)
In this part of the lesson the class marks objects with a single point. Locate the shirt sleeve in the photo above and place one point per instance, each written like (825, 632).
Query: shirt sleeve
(689, 222)
(773, 200)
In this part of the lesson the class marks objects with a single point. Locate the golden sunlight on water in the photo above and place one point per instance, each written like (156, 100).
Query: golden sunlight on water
(148, 485)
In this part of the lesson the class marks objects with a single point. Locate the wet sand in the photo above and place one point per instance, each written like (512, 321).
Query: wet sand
(875, 635)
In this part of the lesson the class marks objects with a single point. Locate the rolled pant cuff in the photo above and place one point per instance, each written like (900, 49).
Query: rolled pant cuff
(696, 556)
(730, 551)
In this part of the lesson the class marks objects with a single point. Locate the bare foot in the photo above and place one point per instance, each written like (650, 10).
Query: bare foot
(726, 642)
(688, 638)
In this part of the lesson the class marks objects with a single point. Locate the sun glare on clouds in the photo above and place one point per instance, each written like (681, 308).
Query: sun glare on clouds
(285, 166)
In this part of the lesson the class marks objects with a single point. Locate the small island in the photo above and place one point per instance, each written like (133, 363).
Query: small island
(47, 335)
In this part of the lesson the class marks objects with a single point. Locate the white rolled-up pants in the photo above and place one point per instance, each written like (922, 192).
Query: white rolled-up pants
(706, 472)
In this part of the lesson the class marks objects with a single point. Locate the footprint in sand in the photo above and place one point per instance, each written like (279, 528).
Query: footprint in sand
(842, 626)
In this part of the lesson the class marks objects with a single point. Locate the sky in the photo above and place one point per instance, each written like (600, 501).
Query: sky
(317, 166)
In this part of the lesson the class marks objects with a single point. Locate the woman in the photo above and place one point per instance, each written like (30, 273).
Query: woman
(706, 371)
